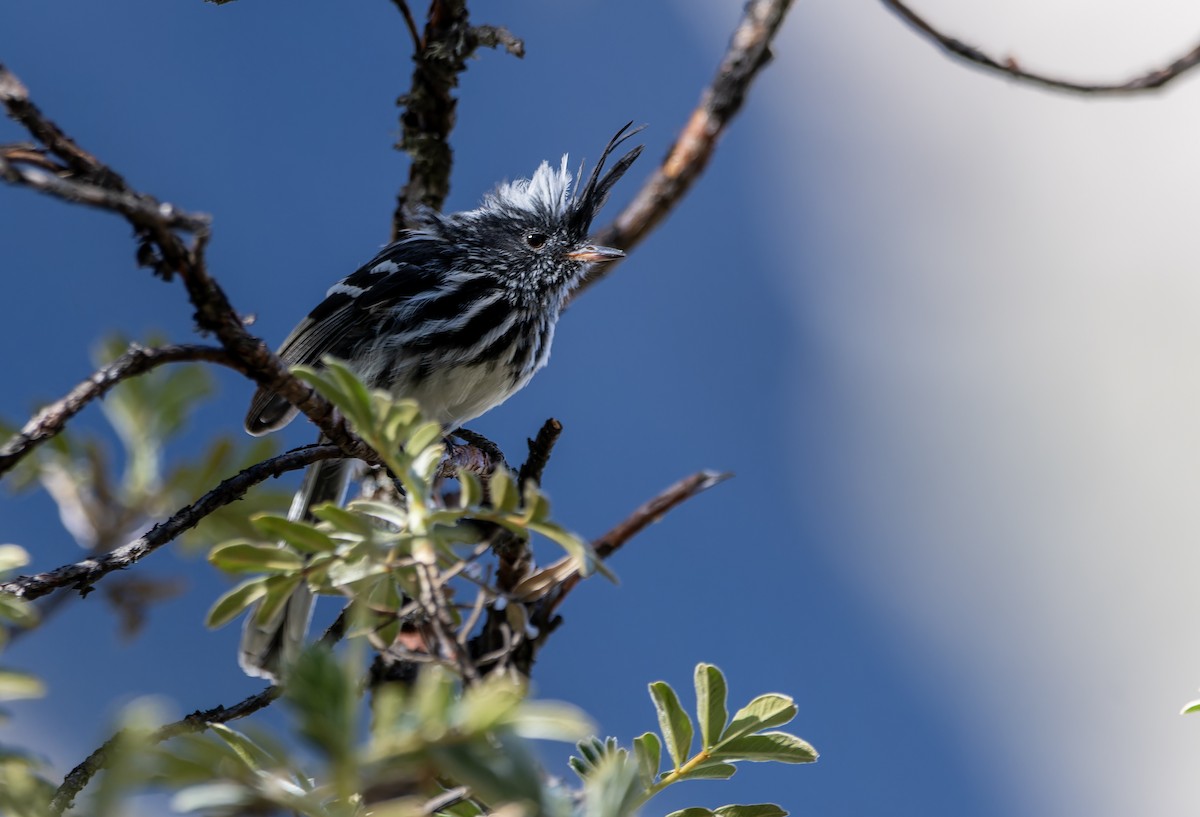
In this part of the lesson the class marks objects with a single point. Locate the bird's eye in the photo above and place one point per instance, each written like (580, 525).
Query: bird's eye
(535, 240)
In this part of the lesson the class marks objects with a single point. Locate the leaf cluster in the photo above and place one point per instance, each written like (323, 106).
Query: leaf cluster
(394, 558)
(723, 742)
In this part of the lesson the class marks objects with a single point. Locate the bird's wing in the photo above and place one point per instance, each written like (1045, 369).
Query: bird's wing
(349, 313)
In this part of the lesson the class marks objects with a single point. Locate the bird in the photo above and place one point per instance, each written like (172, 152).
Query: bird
(458, 314)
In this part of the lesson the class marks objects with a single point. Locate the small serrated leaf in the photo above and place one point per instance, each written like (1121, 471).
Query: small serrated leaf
(767, 746)
(711, 712)
(232, 603)
(673, 721)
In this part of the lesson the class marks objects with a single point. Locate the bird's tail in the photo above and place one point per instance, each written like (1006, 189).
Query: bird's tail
(270, 646)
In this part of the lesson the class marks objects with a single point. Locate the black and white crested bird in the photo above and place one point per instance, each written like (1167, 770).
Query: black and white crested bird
(458, 314)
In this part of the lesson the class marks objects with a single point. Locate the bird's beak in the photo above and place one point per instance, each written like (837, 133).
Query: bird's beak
(592, 254)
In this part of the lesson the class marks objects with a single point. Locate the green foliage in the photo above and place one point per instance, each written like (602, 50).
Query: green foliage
(722, 745)
(23, 790)
(102, 508)
(15, 612)
(382, 552)
(421, 740)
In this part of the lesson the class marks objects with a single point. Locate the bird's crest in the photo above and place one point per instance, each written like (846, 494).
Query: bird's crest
(548, 192)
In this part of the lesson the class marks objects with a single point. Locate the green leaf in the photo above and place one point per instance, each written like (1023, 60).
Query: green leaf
(711, 712)
(232, 603)
(694, 811)
(674, 723)
(503, 771)
(550, 720)
(470, 489)
(710, 771)
(777, 746)
(763, 712)
(503, 491)
(385, 512)
(1191, 706)
(755, 810)
(349, 393)
(15, 686)
(323, 693)
(586, 558)
(300, 535)
(12, 557)
(17, 611)
(279, 591)
(648, 751)
(343, 520)
(243, 557)
(422, 437)
(225, 796)
(252, 755)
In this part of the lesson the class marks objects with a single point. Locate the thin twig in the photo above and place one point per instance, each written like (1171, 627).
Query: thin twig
(748, 52)
(544, 591)
(83, 178)
(540, 448)
(82, 575)
(198, 721)
(429, 107)
(1149, 81)
(514, 558)
(136, 360)
(406, 13)
(646, 515)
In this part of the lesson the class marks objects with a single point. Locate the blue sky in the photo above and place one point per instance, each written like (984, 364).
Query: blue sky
(939, 326)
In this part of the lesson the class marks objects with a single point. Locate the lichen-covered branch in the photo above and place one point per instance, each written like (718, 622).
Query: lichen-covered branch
(429, 108)
(83, 574)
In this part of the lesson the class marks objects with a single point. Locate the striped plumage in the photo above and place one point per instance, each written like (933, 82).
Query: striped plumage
(457, 314)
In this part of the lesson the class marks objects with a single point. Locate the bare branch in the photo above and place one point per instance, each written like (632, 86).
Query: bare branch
(83, 178)
(514, 559)
(1148, 81)
(545, 590)
(540, 448)
(82, 575)
(198, 721)
(646, 515)
(748, 52)
(429, 106)
(137, 360)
